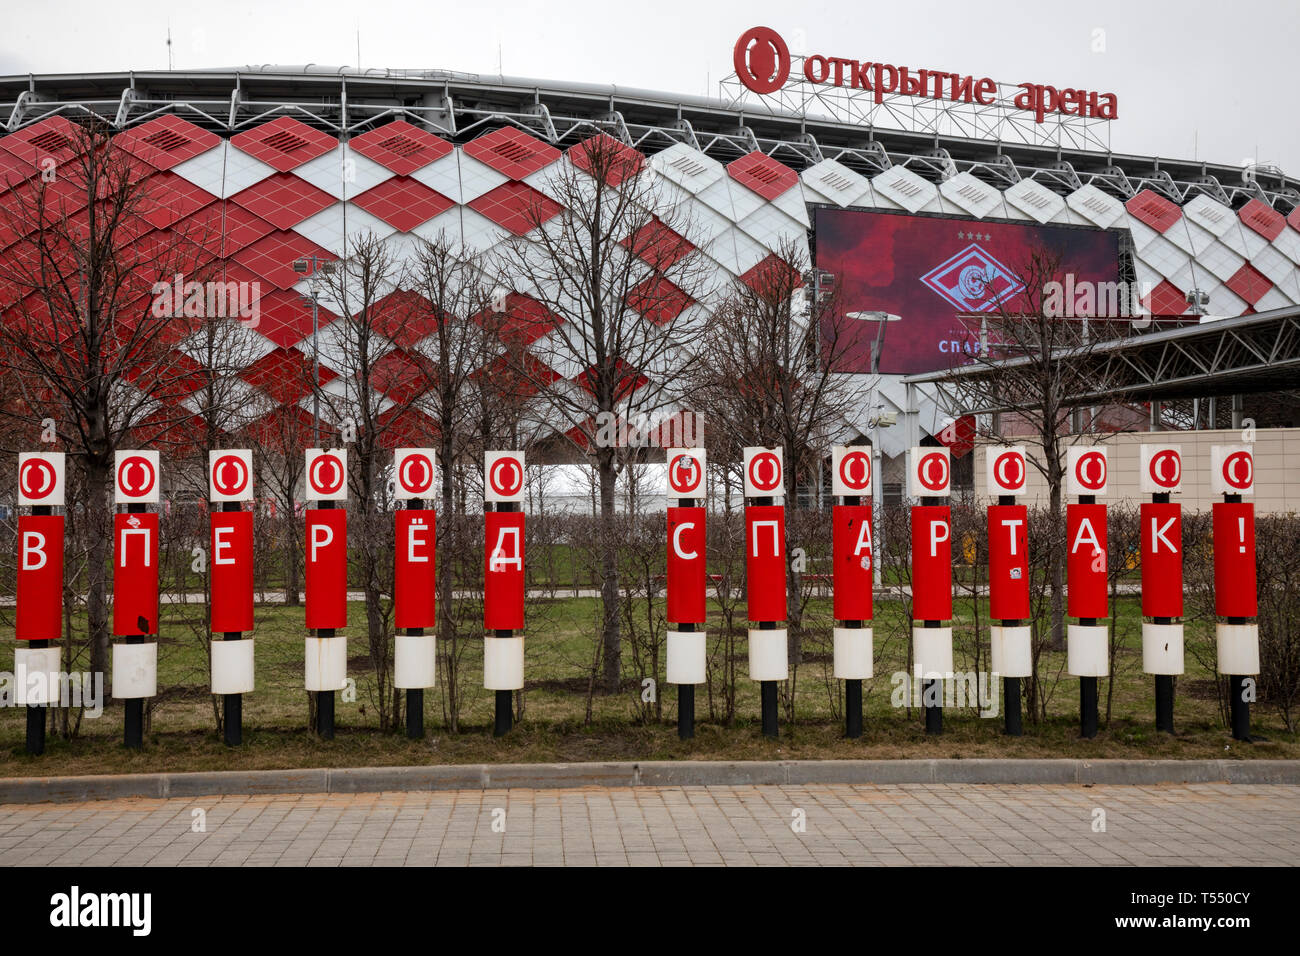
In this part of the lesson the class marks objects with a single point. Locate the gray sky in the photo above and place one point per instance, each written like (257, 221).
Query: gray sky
(1195, 79)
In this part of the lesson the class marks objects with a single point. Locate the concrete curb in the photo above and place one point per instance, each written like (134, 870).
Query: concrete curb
(666, 773)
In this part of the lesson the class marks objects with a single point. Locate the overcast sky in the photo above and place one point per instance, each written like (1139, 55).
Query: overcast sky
(1195, 79)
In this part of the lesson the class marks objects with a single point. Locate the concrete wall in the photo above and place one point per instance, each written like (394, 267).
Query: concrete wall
(1277, 468)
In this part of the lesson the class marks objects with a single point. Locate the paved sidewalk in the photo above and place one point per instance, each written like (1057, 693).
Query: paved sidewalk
(1214, 824)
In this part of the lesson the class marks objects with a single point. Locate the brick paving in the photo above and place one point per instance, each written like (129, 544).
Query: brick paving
(1208, 824)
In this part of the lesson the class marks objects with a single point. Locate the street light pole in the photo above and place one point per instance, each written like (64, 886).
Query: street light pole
(310, 265)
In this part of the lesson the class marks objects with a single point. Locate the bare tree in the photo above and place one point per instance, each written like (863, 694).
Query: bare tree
(775, 376)
(1029, 364)
(605, 258)
(90, 316)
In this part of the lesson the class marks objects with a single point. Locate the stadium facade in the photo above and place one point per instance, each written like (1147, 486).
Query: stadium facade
(260, 149)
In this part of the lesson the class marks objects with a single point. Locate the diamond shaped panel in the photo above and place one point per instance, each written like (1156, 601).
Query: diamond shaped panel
(512, 152)
(283, 200)
(273, 256)
(401, 147)
(223, 171)
(166, 141)
(1249, 283)
(1263, 218)
(403, 202)
(617, 161)
(763, 174)
(517, 207)
(284, 143)
(1154, 210)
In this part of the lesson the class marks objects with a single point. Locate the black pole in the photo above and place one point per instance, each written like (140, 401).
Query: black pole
(1238, 706)
(853, 708)
(232, 704)
(686, 699)
(36, 713)
(1011, 725)
(1088, 696)
(768, 688)
(1164, 682)
(325, 698)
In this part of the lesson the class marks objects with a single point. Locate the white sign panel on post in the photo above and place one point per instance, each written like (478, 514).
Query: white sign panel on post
(851, 471)
(503, 476)
(327, 474)
(40, 478)
(136, 477)
(230, 475)
(764, 474)
(686, 474)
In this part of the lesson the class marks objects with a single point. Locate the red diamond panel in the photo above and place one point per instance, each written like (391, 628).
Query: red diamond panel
(402, 317)
(170, 380)
(283, 200)
(223, 228)
(53, 137)
(516, 375)
(401, 376)
(273, 256)
(403, 203)
(524, 321)
(629, 379)
(13, 170)
(1154, 210)
(284, 374)
(658, 300)
(284, 143)
(169, 198)
(658, 245)
(763, 174)
(1249, 283)
(401, 147)
(404, 426)
(285, 317)
(166, 141)
(1263, 218)
(773, 276)
(512, 152)
(1165, 299)
(516, 206)
(1294, 218)
(616, 160)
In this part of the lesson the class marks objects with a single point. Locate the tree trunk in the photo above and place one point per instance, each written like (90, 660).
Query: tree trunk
(608, 545)
(99, 528)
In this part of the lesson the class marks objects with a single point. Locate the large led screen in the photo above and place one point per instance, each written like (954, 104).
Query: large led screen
(928, 269)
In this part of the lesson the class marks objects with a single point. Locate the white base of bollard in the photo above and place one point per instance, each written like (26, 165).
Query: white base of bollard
(415, 661)
(36, 676)
(1087, 653)
(232, 667)
(853, 653)
(135, 670)
(1238, 647)
(1013, 651)
(503, 663)
(326, 663)
(932, 652)
(1162, 648)
(768, 659)
(687, 657)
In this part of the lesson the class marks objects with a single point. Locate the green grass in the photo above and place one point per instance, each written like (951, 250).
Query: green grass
(182, 731)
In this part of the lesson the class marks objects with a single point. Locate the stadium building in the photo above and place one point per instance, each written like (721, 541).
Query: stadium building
(904, 184)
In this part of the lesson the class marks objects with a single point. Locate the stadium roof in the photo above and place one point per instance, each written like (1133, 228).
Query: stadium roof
(346, 101)
(1245, 354)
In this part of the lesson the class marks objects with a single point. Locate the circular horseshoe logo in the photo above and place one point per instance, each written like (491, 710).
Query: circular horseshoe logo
(229, 475)
(37, 478)
(416, 474)
(762, 60)
(855, 470)
(147, 477)
(506, 477)
(1165, 468)
(1083, 470)
(324, 483)
(1239, 477)
(935, 463)
(1009, 470)
(684, 474)
(765, 471)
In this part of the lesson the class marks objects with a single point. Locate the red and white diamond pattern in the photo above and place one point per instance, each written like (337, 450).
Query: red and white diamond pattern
(283, 190)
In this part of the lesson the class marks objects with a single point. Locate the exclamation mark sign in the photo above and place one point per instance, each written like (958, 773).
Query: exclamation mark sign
(1241, 535)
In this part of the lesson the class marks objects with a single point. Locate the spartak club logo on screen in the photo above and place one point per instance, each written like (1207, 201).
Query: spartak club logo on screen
(973, 281)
